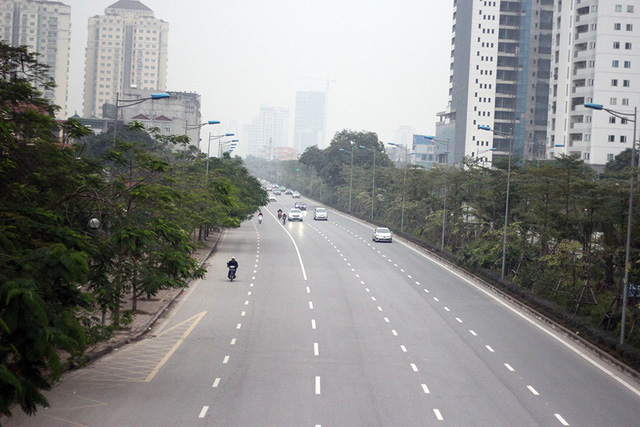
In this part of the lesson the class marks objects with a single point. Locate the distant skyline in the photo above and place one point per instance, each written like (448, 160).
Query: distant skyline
(389, 60)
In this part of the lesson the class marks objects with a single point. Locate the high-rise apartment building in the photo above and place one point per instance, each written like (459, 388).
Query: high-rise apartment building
(267, 132)
(596, 59)
(126, 49)
(44, 27)
(499, 76)
(309, 123)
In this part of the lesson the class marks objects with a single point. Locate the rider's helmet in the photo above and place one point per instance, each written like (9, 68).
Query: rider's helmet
(233, 258)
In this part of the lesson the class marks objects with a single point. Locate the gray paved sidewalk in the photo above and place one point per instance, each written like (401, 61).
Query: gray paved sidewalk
(149, 310)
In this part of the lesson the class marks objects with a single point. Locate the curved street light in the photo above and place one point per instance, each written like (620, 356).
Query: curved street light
(627, 254)
(351, 173)
(373, 184)
(444, 204)
(506, 209)
(188, 127)
(214, 138)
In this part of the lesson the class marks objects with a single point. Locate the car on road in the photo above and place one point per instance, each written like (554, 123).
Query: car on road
(295, 215)
(276, 192)
(288, 191)
(382, 234)
(295, 195)
(272, 198)
(320, 214)
(302, 206)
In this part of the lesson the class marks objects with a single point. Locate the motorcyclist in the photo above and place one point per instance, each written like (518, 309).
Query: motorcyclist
(260, 217)
(279, 213)
(284, 218)
(232, 263)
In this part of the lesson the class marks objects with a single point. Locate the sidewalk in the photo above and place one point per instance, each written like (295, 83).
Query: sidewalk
(149, 310)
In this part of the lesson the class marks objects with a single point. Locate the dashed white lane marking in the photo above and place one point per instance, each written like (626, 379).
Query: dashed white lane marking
(418, 283)
(244, 313)
(367, 289)
(438, 414)
(316, 350)
(425, 388)
(404, 349)
(313, 324)
(373, 298)
(308, 290)
(379, 308)
(249, 293)
(362, 282)
(459, 320)
(317, 385)
(562, 420)
(490, 349)
(414, 367)
(533, 390)
(426, 290)
(393, 331)
(246, 303)
(386, 319)
(233, 341)
(436, 299)
(509, 367)
(216, 383)
(226, 359)
(203, 412)
(310, 305)
(446, 309)
(473, 333)
(239, 326)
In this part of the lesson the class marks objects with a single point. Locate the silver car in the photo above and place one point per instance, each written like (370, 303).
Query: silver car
(320, 213)
(295, 215)
(382, 234)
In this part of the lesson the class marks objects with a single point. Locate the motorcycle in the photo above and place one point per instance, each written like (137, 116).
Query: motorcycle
(259, 219)
(279, 214)
(232, 273)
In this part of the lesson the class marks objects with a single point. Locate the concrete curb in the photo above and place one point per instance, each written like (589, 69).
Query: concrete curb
(137, 335)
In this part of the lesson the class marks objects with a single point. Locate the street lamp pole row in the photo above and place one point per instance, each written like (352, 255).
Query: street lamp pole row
(351, 172)
(188, 127)
(373, 184)
(214, 138)
(444, 203)
(627, 255)
(404, 184)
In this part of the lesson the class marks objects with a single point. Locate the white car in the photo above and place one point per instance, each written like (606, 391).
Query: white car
(272, 198)
(295, 195)
(295, 215)
(382, 234)
(320, 213)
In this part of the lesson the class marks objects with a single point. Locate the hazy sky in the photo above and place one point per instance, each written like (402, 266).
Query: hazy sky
(389, 58)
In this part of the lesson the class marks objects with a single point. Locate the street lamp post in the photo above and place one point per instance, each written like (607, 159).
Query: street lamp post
(506, 209)
(188, 127)
(627, 255)
(373, 184)
(444, 204)
(351, 174)
(404, 183)
(214, 138)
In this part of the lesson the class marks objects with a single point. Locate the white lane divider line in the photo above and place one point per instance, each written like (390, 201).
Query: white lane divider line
(386, 319)
(362, 282)
(249, 293)
(533, 390)
(373, 298)
(357, 275)
(379, 308)
(562, 420)
(308, 290)
(403, 348)
(246, 303)
(414, 367)
(244, 313)
(317, 385)
(459, 320)
(316, 350)
(409, 276)
(490, 349)
(216, 383)
(446, 309)
(418, 283)
(310, 305)
(239, 326)
(472, 332)
(203, 412)
(313, 323)
(426, 290)
(425, 389)
(509, 367)
(233, 341)
(438, 414)
(226, 359)
(436, 299)
(393, 331)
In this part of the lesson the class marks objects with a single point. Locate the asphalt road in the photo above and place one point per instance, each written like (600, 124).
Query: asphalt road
(325, 327)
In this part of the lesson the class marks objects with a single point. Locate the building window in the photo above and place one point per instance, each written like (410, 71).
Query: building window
(627, 64)
(612, 120)
(613, 101)
(630, 9)
(617, 26)
(618, 8)
(614, 82)
(623, 138)
(627, 46)
(629, 27)
(612, 138)
(610, 157)
(615, 63)
(625, 101)
(585, 156)
(616, 45)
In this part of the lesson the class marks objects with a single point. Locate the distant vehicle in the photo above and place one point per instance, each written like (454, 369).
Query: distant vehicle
(288, 191)
(276, 192)
(382, 234)
(295, 215)
(272, 198)
(302, 206)
(283, 189)
(295, 195)
(320, 214)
